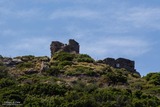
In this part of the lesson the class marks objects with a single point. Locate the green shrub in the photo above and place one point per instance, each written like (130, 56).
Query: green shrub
(84, 58)
(12, 95)
(42, 89)
(33, 101)
(3, 71)
(81, 86)
(25, 65)
(53, 70)
(153, 78)
(72, 73)
(36, 101)
(136, 75)
(81, 70)
(6, 82)
(79, 99)
(114, 78)
(63, 56)
(90, 73)
(62, 64)
(112, 97)
(138, 94)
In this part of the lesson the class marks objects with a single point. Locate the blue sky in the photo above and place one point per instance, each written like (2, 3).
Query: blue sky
(104, 28)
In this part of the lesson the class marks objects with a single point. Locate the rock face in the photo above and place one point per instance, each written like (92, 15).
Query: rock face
(121, 63)
(71, 47)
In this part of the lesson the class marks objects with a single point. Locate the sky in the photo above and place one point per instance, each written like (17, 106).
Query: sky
(104, 28)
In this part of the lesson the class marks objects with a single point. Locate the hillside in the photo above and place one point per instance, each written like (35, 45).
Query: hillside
(74, 80)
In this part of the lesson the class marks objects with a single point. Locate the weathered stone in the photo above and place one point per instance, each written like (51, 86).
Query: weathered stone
(72, 47)
(11, 62)
(55, 47)
(121, 63)
(7, 61)
(110, 61)
(30, 71)
(16, 61)
(125, 63)
(27, 58)
(44, 58)
(44, 66)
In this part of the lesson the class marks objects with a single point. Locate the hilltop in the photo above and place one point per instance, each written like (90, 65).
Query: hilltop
(71, 79)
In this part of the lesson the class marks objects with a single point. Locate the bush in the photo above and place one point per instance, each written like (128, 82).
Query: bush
(63, 56)
(64, 63)
(81, 86)
(81, 70)
(79, 99)
(5, 82)
(3, 72)
(114, 78)
(91, 73)
(84, 58)
(153, 78)
(25, 65)
(112, 97)
(44, 89)
(12, 95)
(32, 101)
(136, 75)
(35, 101)
(53, 70)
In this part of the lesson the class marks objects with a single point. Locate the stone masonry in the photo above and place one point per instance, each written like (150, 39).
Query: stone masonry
(71, 47)
(121, 63)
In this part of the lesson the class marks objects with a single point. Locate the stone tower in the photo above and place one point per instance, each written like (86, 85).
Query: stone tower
(71, 47)
(121, 63)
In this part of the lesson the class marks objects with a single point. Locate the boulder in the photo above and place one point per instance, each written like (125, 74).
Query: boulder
(30, 71)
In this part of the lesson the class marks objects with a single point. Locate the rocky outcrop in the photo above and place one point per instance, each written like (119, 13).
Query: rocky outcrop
(10, 62)
(31, 71)
(71, 47)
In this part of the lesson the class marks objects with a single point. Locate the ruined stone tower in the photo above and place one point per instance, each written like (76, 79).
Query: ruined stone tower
(71, 47)
(121, 63)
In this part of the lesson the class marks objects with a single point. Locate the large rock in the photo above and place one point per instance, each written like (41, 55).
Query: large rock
(31, 71)
(71, 47)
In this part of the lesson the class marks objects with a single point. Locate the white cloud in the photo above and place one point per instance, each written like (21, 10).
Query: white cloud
(31, 46)
(31, 43)
(74, 13)
(25, 14)
(11, 33)
(30, 13)
(113, 46)
(8, 32)
(142, 17)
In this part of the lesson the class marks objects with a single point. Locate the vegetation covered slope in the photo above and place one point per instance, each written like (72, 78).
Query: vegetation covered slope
(74, 80)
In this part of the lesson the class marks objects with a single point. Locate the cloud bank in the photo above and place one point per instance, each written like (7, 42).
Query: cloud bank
(117, 47)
